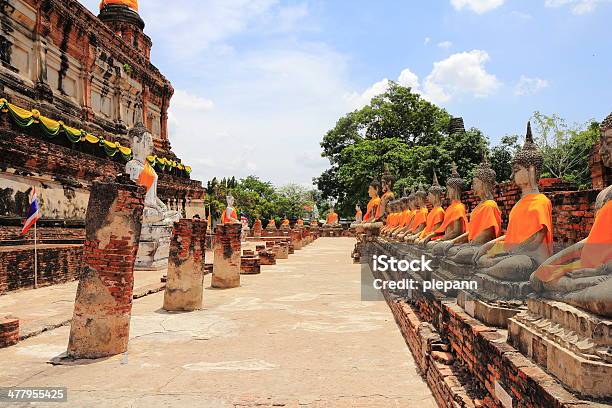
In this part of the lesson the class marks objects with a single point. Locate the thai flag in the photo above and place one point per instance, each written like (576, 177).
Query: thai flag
(33, 212)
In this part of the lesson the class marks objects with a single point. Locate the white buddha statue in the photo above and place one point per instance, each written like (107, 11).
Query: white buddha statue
(142, 146)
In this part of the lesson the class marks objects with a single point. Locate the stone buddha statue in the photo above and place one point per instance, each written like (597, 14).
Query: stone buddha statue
(299, 222)
(419, 220)
(528, 240)
(390, 219)
(229, 215)
(155, 210)
(387, 195)
(373, 204)
(455, 216)
(358, 213)
(484, 224)
(435, 217)
(581, 274)
(410, 213)
(332, 218)
(285, 223)
(403, 217)
(271, 224)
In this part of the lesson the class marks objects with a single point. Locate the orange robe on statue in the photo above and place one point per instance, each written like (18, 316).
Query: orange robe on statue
(455, 211)
(285, 222)
(358, 215)
(372, 208)
(435, 216)
(420, 216)
(271, 224)
(389, 196)
(486, 215)
(331, 218)
(226, 220)
(597, 249)
(300, 222)
(527, 217)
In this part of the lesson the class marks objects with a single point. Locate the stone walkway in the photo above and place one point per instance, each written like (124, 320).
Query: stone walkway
(297, 335)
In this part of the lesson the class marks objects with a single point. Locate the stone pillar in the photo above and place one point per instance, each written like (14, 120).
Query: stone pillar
(185, 284)
(103, 306)
(226, 270)
(249, 263)
(9, 332)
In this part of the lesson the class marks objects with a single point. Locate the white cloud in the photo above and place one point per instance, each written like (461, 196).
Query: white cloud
(445, 44)
(183, 100)
(576, 6)
(521, 15)
(477, 6)
(461, 73)
(529, 86)
(427, 40)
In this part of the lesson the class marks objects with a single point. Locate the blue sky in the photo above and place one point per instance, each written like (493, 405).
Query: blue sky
(259, 82)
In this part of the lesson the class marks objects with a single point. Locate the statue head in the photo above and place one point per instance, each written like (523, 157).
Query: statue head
(404, 203)
(387, 180)
(412, 200)
(420, 196)
(484, 179)
(357, 208)
(527, 164)
(230, 200)
(605, 149)
(454, 184)
(141, 142)
(435, 191)
(374, 189)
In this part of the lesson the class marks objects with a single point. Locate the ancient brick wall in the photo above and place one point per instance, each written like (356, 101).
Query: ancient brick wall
(49, 234)
(9, 332)
(55, 265)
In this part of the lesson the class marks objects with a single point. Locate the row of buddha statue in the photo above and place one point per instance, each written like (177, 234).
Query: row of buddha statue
(579, 275)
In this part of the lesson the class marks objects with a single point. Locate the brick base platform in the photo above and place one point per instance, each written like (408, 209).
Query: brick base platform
(9, 332)
(469, 364)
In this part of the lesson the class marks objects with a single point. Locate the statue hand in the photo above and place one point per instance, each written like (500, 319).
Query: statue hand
(536, 283)
(583, 273)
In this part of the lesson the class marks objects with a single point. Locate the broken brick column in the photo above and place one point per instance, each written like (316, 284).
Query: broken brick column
(185, 284)
(9, 332)
(226, 270)
(101, 321)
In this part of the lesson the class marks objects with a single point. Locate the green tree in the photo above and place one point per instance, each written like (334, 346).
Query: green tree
(566, 148)
(501, 157)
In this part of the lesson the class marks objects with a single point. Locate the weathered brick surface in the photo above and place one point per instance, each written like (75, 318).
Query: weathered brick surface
(226, 272)
(55, 265)
(103, 305)
(480, 356)
(9, 332)
(250, 265)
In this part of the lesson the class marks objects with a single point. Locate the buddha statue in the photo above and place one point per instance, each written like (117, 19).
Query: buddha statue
(484, 224)
(455, 216)
(435, 217)
(358, 214)
(155, 211)
(528, 240)
(299, 222)
(285, 223)
(581, 274)
(410, 213)
(374, 203)
(271, 224)
(419, 220)
(391, 220)
(332, 217)
(403, 216)
(387, 195)
(229, 215)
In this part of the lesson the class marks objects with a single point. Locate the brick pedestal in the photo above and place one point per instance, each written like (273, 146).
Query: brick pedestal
(185, 283)
(226, 272)
(296, 238)
(102, 310)
(9, 332)
(250, 265)
(266, 257)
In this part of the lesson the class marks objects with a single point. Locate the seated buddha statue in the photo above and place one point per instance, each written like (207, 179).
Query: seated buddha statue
(411, 211)
(373, 204)
(358, 213)
(419, 220)
(229, 215)
(392, 218)
(299, 222)
(435, 217)
(387, 195)
(271, 224)
(528, 240)
(332, 218)
(484, 224)
(403, 217)
(285, 223)
(455, 216)
(581, 274)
